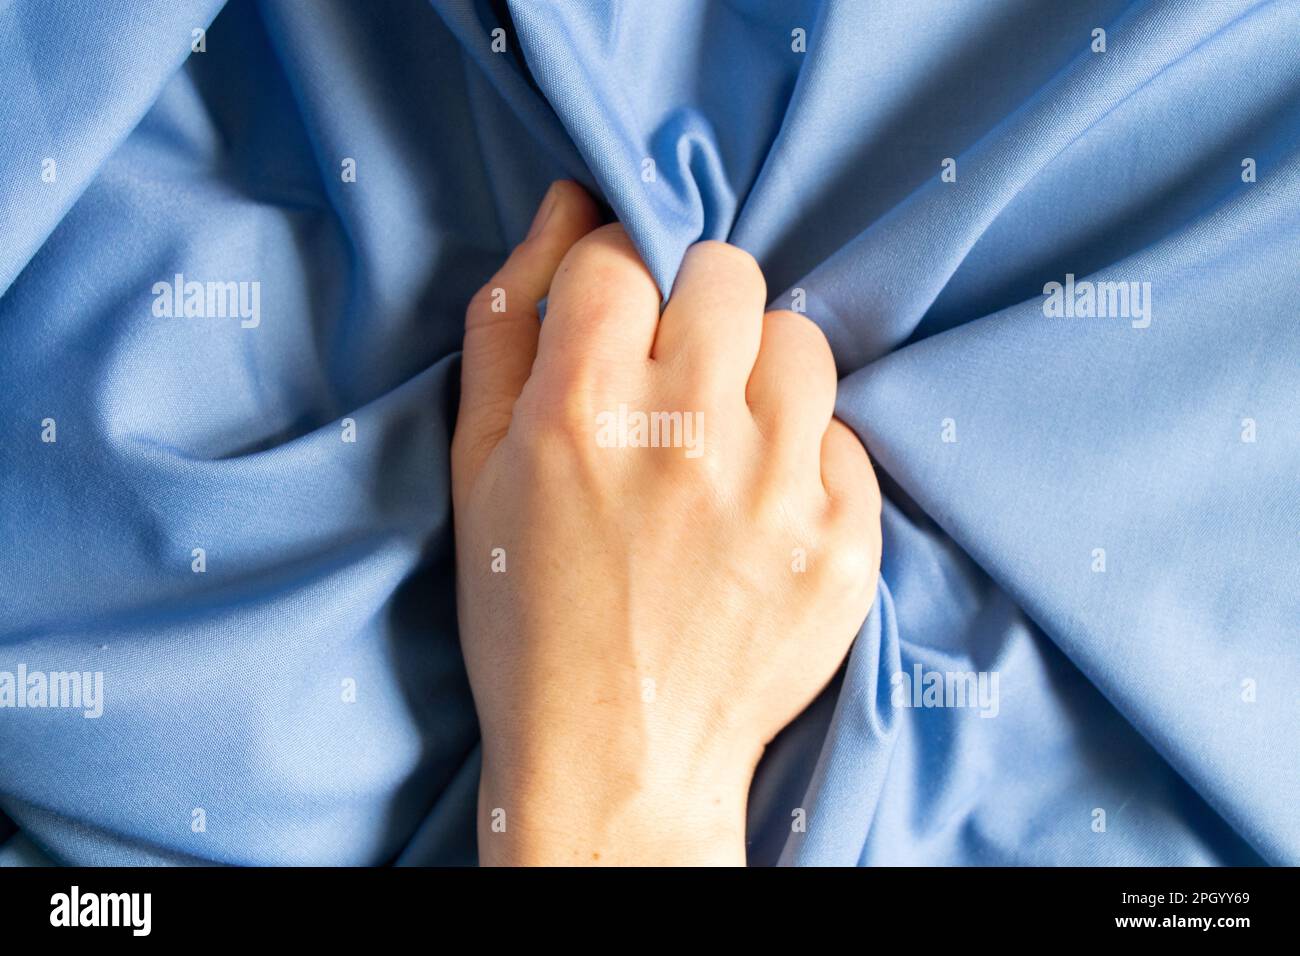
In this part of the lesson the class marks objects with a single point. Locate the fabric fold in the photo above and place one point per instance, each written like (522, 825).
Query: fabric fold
(229, 333)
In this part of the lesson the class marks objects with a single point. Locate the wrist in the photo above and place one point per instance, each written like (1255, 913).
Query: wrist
(579, 807)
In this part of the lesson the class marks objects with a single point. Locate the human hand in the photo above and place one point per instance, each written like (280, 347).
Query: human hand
(639, 622)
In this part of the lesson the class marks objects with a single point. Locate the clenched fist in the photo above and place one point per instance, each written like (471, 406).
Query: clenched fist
(665, 543)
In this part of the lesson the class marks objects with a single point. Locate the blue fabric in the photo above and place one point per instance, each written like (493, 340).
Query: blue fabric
(1160, 690)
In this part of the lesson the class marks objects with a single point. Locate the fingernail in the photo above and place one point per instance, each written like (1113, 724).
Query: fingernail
(543, 213)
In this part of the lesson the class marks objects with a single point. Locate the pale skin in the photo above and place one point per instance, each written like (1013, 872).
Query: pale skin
(638, 623)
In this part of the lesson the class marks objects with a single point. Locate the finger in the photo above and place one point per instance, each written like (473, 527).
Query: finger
(847, 475)
(501, 321)
(603, 306)
(713, 322)
(791, 391)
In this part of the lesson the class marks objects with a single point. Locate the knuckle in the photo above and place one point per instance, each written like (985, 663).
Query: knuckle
(599, 271)
(737, 263)
(596, 247)
(798, 339)
(709, 469)
(489, 306)
(849, 562)
(796, 322)
(735, 255)
(800, 327)
(559, 409)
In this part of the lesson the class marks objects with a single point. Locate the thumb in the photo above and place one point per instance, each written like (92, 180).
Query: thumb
(501, 323)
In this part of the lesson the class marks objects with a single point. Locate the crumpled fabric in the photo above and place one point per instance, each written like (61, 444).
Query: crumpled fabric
(1147, 712)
